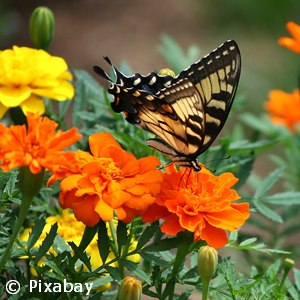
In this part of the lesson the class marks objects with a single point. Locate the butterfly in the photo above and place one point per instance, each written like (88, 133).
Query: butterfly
(186, 112)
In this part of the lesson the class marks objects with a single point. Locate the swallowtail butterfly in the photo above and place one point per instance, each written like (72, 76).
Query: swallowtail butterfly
(185, 112)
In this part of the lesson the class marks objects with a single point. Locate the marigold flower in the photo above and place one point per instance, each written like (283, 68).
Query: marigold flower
(292, 43)
(130, 289)
(28, 74)
(71, 230)
(198, 202)
(110, 181)
(283, 108)
(38, 146)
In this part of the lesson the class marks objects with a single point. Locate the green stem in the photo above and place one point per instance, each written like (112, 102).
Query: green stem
(115, 246)
(21, 217)
(205, 289)
(181, 253)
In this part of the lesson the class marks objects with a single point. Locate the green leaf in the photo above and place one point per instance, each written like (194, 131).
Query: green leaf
(36, 232)
(136, 270)
(163, 245)
(103, 241)
(78, 252)
(174, 55)
(114, 273)
(122, 237)
(47, 243)
(286, 198)
(55, 268)
(9, 179)
(155, 259)
(243, 146)
(297, 278)
(266, 211)
(88, 235)
(147, 234)
(268, 183)
(248, 242)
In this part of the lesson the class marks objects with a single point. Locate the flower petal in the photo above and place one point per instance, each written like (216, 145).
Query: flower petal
(33, 104)
(14, 96)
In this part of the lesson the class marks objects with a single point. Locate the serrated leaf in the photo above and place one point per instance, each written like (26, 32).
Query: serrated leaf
(136, 270)
(266, 211)
(162, 245)
(248, 242)
(78, 252)
(267, 183)
(291, 289)
(122, 237)
(286, 198)
(147, 234)
(154, 259)
(36, 232)
(47, 243)
(240, 147)
(297, 278)
(55, 268)
(114, 273)
(10, 185)
(103, 241)
(88, 235)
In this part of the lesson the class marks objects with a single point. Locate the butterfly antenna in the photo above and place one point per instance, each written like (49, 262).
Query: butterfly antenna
(217, 159)
(102, 73)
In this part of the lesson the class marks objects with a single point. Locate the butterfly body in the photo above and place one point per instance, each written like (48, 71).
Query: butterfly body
(185, 112)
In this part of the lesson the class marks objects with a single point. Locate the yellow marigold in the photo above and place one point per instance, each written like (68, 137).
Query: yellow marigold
(37, 146)
(28, 74)
(292, 43)
(71, 230)
(283, 108)
(110, 181)
(198, 202)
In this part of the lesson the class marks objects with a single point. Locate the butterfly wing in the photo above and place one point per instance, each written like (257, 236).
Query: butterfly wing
(216, 78)
(186, 112)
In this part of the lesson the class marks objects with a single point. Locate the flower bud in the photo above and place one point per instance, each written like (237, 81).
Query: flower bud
(41, 27)
(130, 289)
(30, 184)
(288, 264)
(207, 262)
(166, 71)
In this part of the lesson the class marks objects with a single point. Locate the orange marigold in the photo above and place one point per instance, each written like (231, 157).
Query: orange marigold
(283, 108)
(198, 202)
(108, 181)
(37, 146)
(292, 43)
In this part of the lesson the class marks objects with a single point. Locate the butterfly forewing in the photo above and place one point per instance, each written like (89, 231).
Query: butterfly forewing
(216, 78)
(187, 112)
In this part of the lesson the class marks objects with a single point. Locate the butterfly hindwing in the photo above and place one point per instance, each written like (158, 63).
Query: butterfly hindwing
(186, 112)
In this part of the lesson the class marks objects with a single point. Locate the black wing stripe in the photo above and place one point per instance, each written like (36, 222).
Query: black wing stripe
(186, 112)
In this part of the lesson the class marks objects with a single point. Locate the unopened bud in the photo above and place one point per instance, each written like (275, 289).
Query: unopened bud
(41, 27)
(288, 264)
(166, 71)
(207, 262)
(30, 184)
(130, 289)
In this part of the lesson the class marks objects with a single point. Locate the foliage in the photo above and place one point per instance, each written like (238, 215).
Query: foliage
(166, 262)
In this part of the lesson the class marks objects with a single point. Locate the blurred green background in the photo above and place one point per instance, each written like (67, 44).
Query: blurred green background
(86, 30)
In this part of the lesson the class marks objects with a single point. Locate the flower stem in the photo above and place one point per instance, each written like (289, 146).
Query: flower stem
(115, 246)
(21, 217)
(182, 250)
(205, 289)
